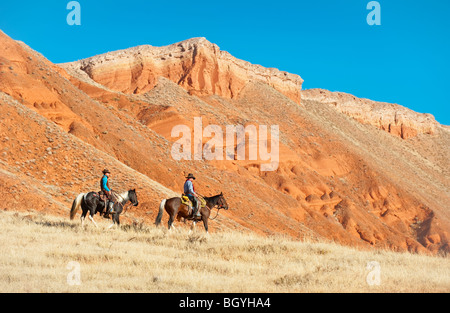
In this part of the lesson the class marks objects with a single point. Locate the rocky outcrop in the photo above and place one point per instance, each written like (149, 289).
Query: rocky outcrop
(393, 118)
(195, 64)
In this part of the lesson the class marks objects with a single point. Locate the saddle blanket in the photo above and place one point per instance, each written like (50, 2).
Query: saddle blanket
(185, 200)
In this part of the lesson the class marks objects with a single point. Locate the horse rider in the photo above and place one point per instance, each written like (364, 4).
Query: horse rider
(189, 191)
(106, 191)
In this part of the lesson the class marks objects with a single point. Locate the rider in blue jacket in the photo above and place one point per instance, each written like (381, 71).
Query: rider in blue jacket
(104, 186)
(190, 192)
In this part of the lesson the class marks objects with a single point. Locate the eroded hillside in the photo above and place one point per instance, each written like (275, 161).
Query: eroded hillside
(339, 177)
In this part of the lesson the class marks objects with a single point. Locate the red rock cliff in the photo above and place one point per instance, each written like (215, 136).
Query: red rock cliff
(195, 64)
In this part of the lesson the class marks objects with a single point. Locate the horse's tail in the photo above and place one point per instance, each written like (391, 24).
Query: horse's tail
(76, 205)
(160, 213)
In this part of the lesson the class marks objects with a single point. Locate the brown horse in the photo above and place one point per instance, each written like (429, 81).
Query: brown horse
(175, 208)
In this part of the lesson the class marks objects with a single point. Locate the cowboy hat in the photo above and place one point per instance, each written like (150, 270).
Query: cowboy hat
(190, 176)
(106, 171)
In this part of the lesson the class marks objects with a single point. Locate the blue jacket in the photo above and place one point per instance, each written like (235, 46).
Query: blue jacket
(104, 183)
(189, 187)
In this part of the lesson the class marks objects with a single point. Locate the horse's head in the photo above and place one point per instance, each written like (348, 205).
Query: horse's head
(133, 197)
(222, 203)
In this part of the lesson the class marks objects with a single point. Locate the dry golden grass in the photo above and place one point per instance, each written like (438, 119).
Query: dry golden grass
(36, 251)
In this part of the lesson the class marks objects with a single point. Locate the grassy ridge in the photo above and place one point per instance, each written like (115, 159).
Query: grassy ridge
(38, 253)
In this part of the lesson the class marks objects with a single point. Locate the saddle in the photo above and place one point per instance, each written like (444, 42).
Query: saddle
(109, 202)
(185, 200)
(102, 196)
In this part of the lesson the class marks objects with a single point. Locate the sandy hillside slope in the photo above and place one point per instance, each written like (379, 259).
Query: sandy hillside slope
(341, 176)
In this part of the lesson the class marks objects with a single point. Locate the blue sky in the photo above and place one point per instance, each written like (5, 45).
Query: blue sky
(328, 43)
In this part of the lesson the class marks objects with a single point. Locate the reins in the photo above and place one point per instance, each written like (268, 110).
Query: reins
(218, 209)
(219, 206)
(124, 206)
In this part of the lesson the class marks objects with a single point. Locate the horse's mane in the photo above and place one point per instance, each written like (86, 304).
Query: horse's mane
(213, 199)
(122, 195)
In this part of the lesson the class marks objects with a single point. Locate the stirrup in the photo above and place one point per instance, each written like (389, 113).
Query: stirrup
(195, 214)
(110, 209)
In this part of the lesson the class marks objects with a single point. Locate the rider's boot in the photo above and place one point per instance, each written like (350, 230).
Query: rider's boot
(105, 213)
(109, 209)
(196, 211)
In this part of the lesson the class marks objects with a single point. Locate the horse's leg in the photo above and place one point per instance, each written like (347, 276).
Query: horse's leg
(117, 220)
(177, 218)
(117, 209)
(92, 220)
(113, 223)
(192, 227)
(172, 207)
(172, 218)
(91, 216)
(170, 222)
(83, 216)
(205, 221)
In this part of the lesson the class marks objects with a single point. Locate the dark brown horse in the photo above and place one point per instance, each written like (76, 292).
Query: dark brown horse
(177, 210)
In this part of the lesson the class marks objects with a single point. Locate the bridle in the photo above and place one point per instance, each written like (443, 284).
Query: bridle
(127, 205)
(220, 206)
